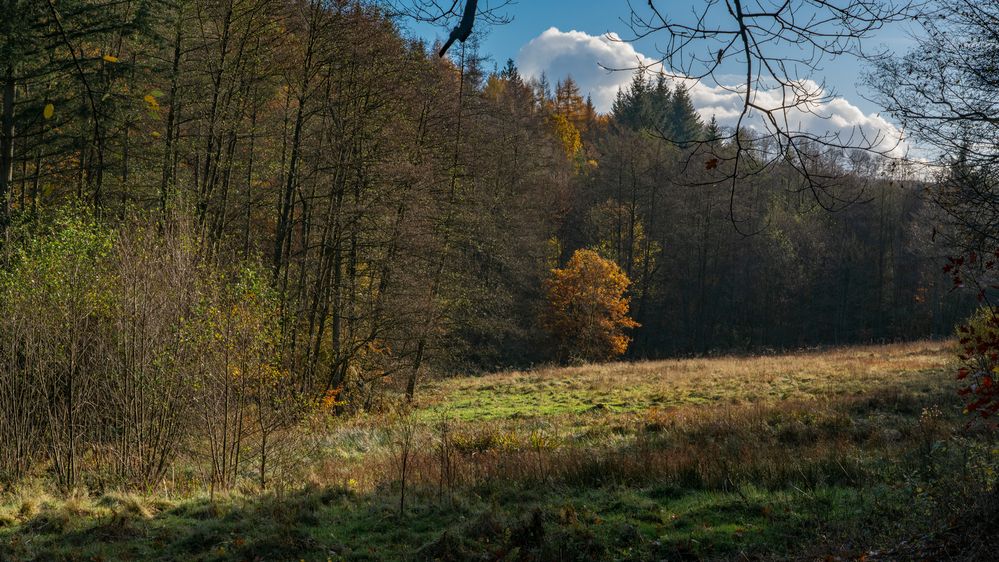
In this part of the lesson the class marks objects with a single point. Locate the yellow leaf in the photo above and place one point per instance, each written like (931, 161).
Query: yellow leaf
(49, 111)
(151, 100)
(110, 58)
(155, 135)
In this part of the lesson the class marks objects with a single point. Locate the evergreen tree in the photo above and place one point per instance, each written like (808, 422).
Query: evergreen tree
(713, 132)
(686, 124)
(591, 110)
(661, 103)
(511, 74)
(632, 107)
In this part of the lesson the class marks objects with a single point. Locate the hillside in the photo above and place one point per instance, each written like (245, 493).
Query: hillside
(848, 452)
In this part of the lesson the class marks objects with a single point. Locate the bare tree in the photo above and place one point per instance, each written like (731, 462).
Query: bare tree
(446, 12)
(778, 44)
(946, 94)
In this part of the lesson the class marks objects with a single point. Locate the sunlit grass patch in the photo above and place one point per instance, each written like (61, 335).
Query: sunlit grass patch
(634, 387)
(769, 456)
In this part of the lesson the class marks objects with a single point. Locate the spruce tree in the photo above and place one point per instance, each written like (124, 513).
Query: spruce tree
(632, 107)
(686, 123)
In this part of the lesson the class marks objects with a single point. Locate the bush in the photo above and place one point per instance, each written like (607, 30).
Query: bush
(119, 349)
(56, 298)
(979, 341)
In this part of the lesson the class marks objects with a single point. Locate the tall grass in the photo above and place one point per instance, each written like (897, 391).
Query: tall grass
(796, 454)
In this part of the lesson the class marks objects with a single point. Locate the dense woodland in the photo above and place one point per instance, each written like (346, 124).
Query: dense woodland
(218, 214)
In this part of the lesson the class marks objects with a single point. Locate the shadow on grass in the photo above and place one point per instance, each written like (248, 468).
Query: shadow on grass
(613, 522)
(746, 481)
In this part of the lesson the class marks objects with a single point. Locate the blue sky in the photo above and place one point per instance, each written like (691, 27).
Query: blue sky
(540, 39)
(597, 17)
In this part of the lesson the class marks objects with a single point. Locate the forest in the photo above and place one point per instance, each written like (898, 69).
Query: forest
(251, 246)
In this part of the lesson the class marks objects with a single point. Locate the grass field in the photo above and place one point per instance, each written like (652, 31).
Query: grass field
(853, 453)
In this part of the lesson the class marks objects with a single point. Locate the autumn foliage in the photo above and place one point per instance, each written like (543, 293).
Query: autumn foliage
(586, 310)
(979, 340)
(979, 336)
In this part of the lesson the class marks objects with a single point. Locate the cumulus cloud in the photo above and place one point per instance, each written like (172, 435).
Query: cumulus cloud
(587, 59)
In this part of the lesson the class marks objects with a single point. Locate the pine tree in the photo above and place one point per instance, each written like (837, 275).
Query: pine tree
(686, 123)
(661, 107)
(591, 110)
(511, 74)
(632, 107)
(712, 133)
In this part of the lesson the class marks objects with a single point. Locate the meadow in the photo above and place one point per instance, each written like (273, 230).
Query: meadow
(858, 453)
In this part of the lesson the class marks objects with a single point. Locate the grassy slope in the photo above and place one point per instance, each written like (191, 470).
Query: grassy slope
(774, 456)
(636, 387)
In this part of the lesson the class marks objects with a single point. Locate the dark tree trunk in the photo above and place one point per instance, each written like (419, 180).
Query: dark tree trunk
(6, 147)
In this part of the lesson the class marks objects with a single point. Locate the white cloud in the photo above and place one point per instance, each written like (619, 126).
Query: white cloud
(587, 57)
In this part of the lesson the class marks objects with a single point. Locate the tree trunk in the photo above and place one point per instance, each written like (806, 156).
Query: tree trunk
(6, 147)
(168, 156)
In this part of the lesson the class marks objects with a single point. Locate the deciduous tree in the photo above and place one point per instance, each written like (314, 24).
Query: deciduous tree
(586, 312)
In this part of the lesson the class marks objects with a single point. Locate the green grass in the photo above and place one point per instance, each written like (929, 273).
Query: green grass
(828, 453)
(636, 387)
(615, 522)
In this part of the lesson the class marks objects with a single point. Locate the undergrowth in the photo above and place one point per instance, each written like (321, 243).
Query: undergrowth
(859, 453)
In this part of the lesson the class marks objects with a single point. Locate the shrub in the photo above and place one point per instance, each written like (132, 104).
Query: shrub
(120, 348)
(55, 296)
(979, 341)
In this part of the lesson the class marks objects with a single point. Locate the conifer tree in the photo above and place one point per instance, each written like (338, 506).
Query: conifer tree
(686, 123)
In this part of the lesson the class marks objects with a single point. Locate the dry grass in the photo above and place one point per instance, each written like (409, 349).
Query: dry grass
(667, 384)
(773, 456)
(811, 418)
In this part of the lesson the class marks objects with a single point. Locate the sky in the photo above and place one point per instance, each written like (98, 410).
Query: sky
(577, 38)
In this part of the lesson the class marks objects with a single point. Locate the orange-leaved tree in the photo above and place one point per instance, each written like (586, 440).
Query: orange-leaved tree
(586, 310)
